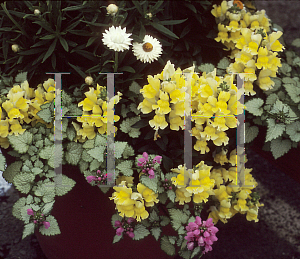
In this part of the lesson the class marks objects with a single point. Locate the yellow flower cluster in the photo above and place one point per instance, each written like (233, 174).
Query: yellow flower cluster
(94, 114)
(22, 105)
(165, 94)
(215, 100)
(233, 200)
(132, 204)
(196, 183)
(252, 48)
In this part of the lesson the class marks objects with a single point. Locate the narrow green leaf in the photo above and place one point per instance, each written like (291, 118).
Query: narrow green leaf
(78, 70)
(172, 22)
(64, 43)
(164, 30)
(50, 50)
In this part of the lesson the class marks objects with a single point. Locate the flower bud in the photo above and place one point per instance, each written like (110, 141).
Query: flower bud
(15, 48)
(112, 9)
(149, 15)
(170, 187)
(99, 178)
(89, 80)
(34, 221)
(37, 12)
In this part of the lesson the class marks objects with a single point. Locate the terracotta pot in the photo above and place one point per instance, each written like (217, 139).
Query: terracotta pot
(288, 163)
(84, 218)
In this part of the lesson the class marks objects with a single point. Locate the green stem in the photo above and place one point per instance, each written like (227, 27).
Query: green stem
(116, 62)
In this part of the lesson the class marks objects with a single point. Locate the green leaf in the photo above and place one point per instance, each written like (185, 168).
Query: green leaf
(293, 130)
(48, 37)
(38, 163)
(63, 184)
(11, 171)
(224, 63)
(171, 195)
(119, 148)
(156, 232)
(138, 7)
(23, 181)
(28, 230)
(185, 254)
(279, 147)
(153, 216)
(140, 232)
(196, 251)
(47, 208)
(2, 162)
(164, 30)
(127, 69)
(163, 197)
(178, 218)
(78, 70)
(135, 87)
(50, 50)
(86, 157)
(150, 183)
(254, 106)
(36, 170)
(53, 229)
(172, 22)
(52, 154)
(45, 115)
(167, 246)
(114, 218)
(285, 69)
(100, 140)
(296, 42)
(64, 43)
(71, 133)
(250, 133)
(16, 210)
(21, 77)
(73, 153)
(94, 165)
(271, 99)
(128, 151)
(164, 221)
(125, 167)
(274, 129)
(141, 124)
(207, 67)
(117, 238)
(97, 153)
(21, 142)
(293, 91)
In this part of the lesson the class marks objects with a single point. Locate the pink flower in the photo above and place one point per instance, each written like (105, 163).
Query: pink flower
(91, 178)
(109, 177)
(206, 234)
(130, 234)
(151, 174)
(191, 226)
(212, 230)
(198, 221)
(118, 223)
(157, 159)
(208, 223)
(190, 246)
(46, 224)
(98, 172)
(130, 220)
(119, 231)
(201, 241)
(30, 212)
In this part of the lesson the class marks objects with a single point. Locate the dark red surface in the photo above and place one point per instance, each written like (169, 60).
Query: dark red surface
(84, 218)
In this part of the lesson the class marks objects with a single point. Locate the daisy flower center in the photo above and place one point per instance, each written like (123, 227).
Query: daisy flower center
(147, 47)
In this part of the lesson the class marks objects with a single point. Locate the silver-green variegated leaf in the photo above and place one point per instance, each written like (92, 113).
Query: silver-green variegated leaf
(162, 197)
(117, 238)
(90, 143)
(25, 216)
(196, 251)
(171, 195)
(135, 87)
(207, 67)
(250, 133)
(140, 232)
(119, 148)
(279, 147)
(63, 184)
(156, 232)
(16, 210)
(166, 246)
(254, 106)
(164, 221)
(178, 218)
(153, 216)
(73, 153)
(114, 218)
(53, 229)
(293, 91)
(94, 165)
(125, 167)
(2, 163)
(128, 151)
(23, 181)
(224, 63)
(21, 142)
(274, 129)
(71, 133)
(47, 208)
(28, 230)
(293, 130)
(150, 183)
(97, 153)
(53, 154)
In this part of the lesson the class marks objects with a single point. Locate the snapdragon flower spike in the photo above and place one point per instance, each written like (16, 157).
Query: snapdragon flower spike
(201, 234)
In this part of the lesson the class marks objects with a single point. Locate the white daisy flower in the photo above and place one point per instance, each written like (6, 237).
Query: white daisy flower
(147, 51)
(116, 38)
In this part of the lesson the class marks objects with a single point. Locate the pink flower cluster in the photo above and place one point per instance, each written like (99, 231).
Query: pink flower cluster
(125, 226)
(38, 218)
(100, 179)
(201, 234)
(147, 165)
(167, 185)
